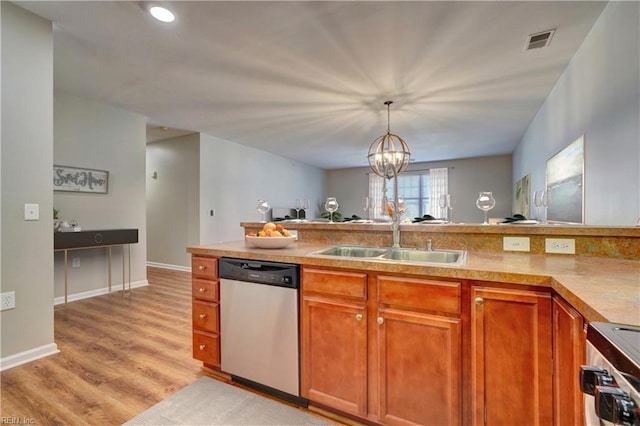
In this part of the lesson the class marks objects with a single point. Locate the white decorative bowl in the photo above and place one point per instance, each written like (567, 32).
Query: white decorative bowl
(270, 242)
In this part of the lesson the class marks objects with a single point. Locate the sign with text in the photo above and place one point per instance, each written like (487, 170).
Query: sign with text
(76, 179)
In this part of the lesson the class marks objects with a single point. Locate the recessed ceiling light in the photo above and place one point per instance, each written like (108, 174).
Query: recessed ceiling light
(162, 14)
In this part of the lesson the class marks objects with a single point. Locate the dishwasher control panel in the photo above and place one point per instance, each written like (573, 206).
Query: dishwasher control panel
(271, 273)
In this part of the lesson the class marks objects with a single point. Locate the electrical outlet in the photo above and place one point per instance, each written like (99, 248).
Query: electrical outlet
(516, 244)
(7, 301)
(560, 245)
(75, 262)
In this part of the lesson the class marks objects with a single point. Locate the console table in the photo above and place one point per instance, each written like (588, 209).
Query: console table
(65, 241)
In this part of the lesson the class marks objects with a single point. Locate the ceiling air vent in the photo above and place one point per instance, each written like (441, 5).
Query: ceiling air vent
(538, 40)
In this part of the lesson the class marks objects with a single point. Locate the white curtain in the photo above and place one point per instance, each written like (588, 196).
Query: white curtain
(438, 186)
(376, 184)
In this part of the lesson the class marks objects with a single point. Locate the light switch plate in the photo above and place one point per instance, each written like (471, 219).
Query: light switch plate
(516, 243)
(560, 245)
(31, 211)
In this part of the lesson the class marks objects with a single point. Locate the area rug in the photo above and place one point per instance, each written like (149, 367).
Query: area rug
(211, 402)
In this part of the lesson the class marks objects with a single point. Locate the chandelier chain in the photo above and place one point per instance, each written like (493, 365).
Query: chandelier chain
(388, 104)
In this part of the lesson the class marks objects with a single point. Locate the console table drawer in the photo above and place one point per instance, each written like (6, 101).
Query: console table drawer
(106, 237)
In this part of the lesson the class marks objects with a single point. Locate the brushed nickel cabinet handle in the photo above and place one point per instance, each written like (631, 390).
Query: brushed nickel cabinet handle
(203, 316)
(202, 347)
(479, 301)
(201, 267)
(201, 289)
(358, 317)
(380, 320)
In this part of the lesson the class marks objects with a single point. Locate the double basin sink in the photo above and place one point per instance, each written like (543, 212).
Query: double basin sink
(410, 255)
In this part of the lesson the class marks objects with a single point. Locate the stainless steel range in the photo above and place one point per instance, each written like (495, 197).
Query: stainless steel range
(611, 379)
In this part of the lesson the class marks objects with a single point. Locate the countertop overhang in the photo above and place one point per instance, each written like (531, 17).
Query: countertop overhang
(601, 289)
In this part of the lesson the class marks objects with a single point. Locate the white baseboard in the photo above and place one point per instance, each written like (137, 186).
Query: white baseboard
(168, 266)
(97, 292)
(28, 356)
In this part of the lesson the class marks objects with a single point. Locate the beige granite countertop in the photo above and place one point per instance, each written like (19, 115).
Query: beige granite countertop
(601, 289)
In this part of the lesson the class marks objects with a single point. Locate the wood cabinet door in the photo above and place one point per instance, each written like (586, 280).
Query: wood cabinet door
(419, 368)
(334, 354)
(511, 357)
(569, 341)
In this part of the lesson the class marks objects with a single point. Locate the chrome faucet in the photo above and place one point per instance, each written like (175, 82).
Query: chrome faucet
(395, 226)
(429, 248)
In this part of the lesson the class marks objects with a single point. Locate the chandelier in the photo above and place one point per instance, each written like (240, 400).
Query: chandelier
(389, 154)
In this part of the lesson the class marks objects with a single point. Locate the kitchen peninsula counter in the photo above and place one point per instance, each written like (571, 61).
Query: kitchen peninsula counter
(600, 288)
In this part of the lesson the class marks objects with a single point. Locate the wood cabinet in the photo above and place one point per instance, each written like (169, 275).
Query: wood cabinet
(418, 344)
(334, 340)
(205, 312)
(386, 349)
(569, 342)
(511, 357)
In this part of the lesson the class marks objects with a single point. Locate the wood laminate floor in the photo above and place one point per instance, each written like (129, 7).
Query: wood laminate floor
(119, 356)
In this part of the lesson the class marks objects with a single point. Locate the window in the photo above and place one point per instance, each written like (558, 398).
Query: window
(418, 188)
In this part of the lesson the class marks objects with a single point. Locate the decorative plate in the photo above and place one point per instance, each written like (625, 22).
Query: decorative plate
(270, 242)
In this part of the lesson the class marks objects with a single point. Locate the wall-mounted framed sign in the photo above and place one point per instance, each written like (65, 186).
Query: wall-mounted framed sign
(77, 179)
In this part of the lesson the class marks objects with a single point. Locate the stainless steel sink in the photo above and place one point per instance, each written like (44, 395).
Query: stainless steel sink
(409, 255)
(352, 251)
(429, 256)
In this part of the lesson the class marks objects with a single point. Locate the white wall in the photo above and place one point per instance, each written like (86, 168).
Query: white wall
(232, 179)
(173, 198)
(92, 135)
(598, 95)
(467, 177)
(27, 155)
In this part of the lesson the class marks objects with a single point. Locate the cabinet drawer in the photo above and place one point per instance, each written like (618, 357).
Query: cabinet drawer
(204, 267)
(205, 289)
(346, 284)
(206, 347)
(440, 296)
(205, 316)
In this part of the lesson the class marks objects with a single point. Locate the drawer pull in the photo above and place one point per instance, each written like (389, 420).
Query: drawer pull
(201, 268)
(380, 320)
(202, 347)
(203, 316)
(201, 289)
(358, 317)
(479, 301)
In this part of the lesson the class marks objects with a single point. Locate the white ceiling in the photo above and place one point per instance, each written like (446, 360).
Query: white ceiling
(308, 80)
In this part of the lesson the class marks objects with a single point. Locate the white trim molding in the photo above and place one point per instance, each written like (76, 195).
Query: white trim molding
(28, 356)
(168, 266)
(98, 292)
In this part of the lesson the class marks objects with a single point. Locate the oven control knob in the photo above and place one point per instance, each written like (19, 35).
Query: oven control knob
(590, 377)
(614, 405)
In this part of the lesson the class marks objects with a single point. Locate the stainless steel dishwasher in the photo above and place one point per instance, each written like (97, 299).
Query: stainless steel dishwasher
(259, 325)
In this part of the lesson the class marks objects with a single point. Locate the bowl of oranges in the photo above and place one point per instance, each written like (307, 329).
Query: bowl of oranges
(271, 236)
